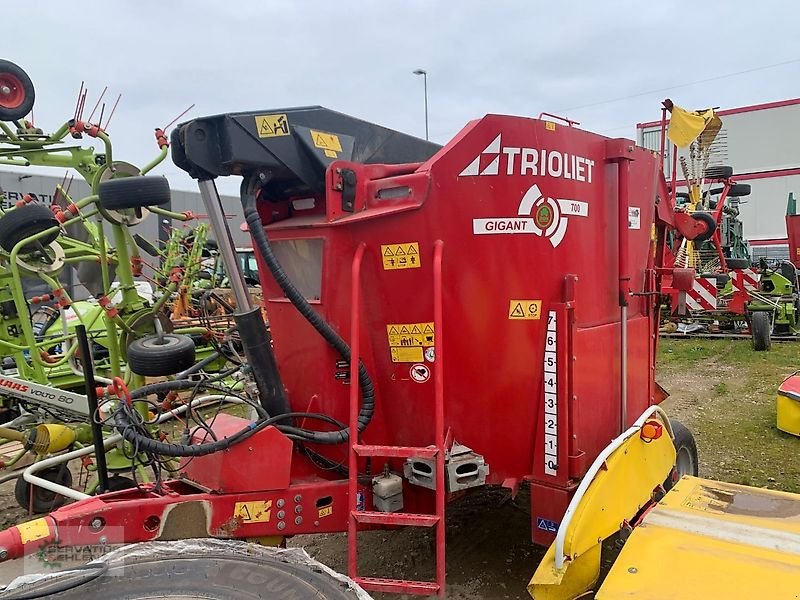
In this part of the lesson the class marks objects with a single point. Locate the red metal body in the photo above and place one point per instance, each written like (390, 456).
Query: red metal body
(527, 237)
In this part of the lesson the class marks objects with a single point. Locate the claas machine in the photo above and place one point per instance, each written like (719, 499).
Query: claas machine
(441, 319)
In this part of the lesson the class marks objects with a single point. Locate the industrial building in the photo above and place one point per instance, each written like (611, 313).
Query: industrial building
(758, 141)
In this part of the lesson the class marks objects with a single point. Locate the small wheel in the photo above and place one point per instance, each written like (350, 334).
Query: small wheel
(23, 222)
(134, 192)
(42, 500)
(737, 263)
(156, 358)
(719, 172)
(686, 462)
(760, 326)
(739, 190)
(710, 223)
(16, 92)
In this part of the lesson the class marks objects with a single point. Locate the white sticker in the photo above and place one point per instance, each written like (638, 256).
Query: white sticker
(420, 373)
(634, 217)
(503, 225)
(573, 207)
(430, 354)
(550, 417)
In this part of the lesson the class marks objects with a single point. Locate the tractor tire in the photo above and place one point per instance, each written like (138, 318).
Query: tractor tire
(711, 225)
(760, 326)
(737, 263)
(39, 500)
(23, 222)
(146, 356)
(686, 462)
(718, 172)
(134, 192)
(182, 574)
(739, 190)
(18, 101)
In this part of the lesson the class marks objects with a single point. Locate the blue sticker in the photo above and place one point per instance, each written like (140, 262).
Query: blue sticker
(546, 525)
(360, 500)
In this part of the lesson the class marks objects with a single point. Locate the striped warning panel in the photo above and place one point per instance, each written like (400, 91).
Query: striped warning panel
(703, 295)
(745, 279)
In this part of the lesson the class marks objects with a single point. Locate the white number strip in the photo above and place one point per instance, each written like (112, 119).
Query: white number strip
(550, 415)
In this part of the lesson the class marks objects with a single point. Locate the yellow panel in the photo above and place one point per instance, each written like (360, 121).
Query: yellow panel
(711, 539)
(33, 530)
(549, 583)
(409, 355)
(326, 141)
(258, 511)
(658, 563)
(788, 414)
(633, 471)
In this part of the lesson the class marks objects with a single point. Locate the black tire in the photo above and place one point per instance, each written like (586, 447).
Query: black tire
(711, 225)
(214, 576)
(147, 356)
(760, 326)
(118, 482)
(719, 172)
(686, 462)
(43, 501)
(739, 190)
(25, 221)
(18, 102)
(737, 263)
(134, 192)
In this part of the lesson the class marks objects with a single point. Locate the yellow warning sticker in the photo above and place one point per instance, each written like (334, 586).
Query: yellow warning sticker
(550, 126)
(257, 511)
(407, 340)
(524, 310)
(328, 142)
(400, 256)
(272, 125)
(407, 355)
(325, 512)
(33, 530)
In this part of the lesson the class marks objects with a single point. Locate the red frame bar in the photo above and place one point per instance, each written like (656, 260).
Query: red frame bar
(355, 334)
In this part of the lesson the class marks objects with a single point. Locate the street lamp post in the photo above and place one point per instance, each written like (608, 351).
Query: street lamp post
(424, 74)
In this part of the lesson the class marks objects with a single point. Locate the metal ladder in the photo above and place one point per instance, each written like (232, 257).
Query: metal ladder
(436, 451)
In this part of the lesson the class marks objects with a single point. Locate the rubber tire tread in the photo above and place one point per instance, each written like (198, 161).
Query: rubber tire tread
(134, 192)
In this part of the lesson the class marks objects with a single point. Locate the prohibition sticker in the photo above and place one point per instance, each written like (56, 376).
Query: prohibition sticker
(420, 373)
(524, 310)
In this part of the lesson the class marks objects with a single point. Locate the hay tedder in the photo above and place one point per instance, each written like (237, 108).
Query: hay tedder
(47, 379)
(442, 319)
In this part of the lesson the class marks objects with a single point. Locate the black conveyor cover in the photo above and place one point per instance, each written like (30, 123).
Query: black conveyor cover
(294, 144)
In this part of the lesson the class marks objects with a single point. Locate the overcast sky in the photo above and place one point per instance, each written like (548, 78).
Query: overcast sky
(519, 57)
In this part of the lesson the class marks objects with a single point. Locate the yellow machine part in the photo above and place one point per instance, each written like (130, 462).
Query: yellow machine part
(788, 414)
(708, 539)
(618, 491)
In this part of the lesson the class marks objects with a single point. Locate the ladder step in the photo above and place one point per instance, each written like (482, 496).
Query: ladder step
(398, 586)
(381, 518)
(396, 451)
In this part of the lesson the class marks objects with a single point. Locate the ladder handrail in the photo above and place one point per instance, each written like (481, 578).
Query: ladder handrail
(438, 381)
(355, 335)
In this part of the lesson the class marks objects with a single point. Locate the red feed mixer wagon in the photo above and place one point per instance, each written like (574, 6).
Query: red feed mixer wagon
(501, 293)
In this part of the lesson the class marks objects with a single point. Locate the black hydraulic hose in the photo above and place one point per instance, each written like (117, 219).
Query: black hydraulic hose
(317, 322)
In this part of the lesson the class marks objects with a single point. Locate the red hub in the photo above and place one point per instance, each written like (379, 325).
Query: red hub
(12, 92)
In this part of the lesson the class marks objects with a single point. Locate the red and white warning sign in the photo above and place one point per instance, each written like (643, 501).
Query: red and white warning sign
(703, 295)
(419, 373)
(745, 279)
